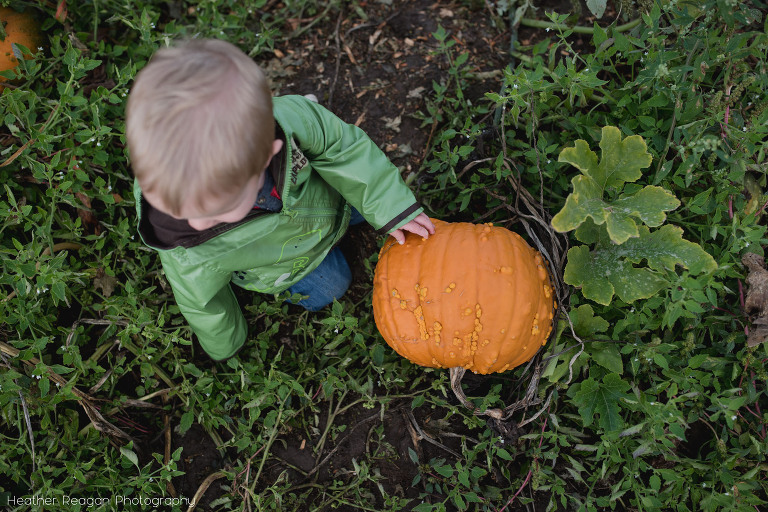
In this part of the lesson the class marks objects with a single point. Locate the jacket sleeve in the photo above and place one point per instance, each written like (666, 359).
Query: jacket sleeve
(349, 161)
(207, 301)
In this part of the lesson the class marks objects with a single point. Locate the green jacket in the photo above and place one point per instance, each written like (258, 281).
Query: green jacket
(326, 166)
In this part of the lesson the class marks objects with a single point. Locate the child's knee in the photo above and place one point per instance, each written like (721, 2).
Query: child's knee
(328, 282)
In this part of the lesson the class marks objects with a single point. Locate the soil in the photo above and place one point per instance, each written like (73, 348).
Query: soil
(376, 73)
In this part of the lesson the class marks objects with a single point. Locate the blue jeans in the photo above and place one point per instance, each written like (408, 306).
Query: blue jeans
(330, 280)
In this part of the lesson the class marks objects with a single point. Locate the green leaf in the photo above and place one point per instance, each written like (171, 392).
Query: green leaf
(130, 455)
(608, 356)
(585, 323)
(70, 57)
(44, 385)
(621, 161)
(585, 201)
(59, 292)
(597, 7)
(600, 274)
(581, 157)
(602, 399)
(649, 204)
(610, 269)
(186, 421)
(61, 370)
(665, 248)
(590, 233)
(463, 477)
(377, 355)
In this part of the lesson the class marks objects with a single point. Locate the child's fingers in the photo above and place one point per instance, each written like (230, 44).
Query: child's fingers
(423, 220)
(417, 226)
(427, 223)
(417, 229)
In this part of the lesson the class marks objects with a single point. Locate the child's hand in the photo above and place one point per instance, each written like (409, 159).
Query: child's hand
(421, 226)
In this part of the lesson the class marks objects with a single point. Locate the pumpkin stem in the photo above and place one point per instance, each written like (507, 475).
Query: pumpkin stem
(457, 373)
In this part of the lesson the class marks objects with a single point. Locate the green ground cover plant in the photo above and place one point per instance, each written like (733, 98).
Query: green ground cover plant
(647, 397)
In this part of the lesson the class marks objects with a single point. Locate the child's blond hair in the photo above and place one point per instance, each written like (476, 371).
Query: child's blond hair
(198, 122)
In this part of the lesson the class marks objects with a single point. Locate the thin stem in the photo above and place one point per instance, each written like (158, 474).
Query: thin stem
(529, 22)
(272, 437)
(678, 107)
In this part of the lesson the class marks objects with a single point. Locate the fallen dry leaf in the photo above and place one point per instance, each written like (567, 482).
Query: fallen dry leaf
(349, 53)
(403, 150)
(756, 303)
(418, 92)
(105, 283)
(374, 37)
(392, 123)
(87, 217)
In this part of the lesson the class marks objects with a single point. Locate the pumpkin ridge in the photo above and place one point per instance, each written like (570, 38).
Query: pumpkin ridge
(538, 310)
(470, 280)
(437, 347)
(388, 323)
(510, 340)
(521, 266)
(491, 354)
(407, 273)
(420, 309)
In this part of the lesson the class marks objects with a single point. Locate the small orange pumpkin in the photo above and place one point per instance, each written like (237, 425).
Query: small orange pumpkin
(471, 295)
(20, 28)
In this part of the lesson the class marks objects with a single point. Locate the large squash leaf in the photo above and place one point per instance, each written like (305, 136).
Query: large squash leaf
(611, 269)
(621, 162)
(622, 256)
(620, 159)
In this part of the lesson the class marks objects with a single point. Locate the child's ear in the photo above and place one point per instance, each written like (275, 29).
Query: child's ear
(277, 145)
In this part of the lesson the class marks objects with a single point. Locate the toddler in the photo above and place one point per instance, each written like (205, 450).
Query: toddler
(233, 185)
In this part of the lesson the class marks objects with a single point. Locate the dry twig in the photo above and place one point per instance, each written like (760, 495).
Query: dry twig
(204, 487)
(418, 433)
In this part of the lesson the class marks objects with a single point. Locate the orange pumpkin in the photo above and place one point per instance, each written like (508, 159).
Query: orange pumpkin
(471, 296)
(20, 28)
